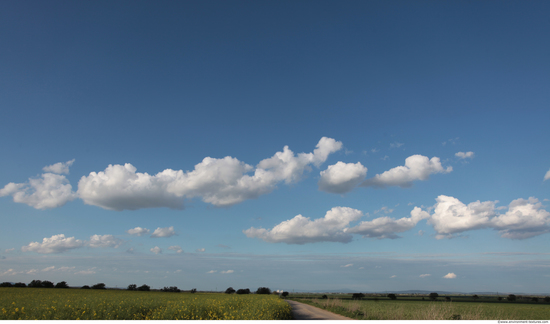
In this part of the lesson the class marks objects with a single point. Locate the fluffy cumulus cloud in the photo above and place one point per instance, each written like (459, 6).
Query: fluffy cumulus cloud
(164, 232)
(301, 230)
(59, 168)
(104, 241)
(342, 177)
(465, 155)
(525, 218)
(546, 176)
(156, 250)
(138, 231)
(417, 167)
(120, 187)
(48, 191)
(220, 182)
(176, 248)
(451, 216)
(55, 244)
(386, 227)
(450, 275)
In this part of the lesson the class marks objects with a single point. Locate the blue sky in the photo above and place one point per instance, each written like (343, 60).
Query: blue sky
(299, 145)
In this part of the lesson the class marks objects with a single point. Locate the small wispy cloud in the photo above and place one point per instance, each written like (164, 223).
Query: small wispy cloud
(449, 275)
(396, 145)
(212, 271)
(347, 265)
(393, 276)
(227, 271)
(200, 250)
(425, 275)
(465, 155)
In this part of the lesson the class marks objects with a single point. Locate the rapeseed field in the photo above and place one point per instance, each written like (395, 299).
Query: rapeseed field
(78, 304)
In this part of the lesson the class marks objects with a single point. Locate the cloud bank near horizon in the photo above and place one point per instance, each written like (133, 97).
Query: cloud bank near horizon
(449, 217)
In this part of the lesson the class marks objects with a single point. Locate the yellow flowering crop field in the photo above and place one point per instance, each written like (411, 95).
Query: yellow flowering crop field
(84, 304)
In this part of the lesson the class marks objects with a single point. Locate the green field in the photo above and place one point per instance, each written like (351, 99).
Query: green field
(72, 304)
(416, 309)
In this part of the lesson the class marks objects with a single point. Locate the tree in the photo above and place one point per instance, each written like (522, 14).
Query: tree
(447, 299)
(433, 296)
(475, 297)
(144, 288)
(535, 299)
(511, 297)
(547, 299)
(284, 294)
(194, 290)
(99, 286)
(499, 298)
(358, 296)
(324, 297)
(263, 291)
(6, 284)
(243, 291)
(85, 287)
(132, 287)
(47, 284)
(62, 284)
(230, 290)
(392, 296)
(35, 284)
(171, 289)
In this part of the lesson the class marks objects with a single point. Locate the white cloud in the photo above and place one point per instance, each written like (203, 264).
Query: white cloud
(227, 271)
(452, 216)
(525, 218)
(417, 167)
(546, 176)
(104, 241)
(164, 232)
(156, 250)
(201, 250)
(385, 158)
(59, 168)
(48, 191)
(119, 187)
(301, 230)
(9, 250)
(425, 275)
(347, 265)
(176, 248)
(48, 269)
(220, 182)
(342, 177)
(465, 155)
(393, 276)
(386, 227)
(212, 271)
(138, 231)
(449, 275)
(55, 244)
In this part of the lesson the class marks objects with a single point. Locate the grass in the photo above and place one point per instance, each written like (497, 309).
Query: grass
(427, 310)
(73, 304)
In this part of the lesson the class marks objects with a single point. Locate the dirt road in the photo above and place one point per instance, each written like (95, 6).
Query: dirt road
(306, 312)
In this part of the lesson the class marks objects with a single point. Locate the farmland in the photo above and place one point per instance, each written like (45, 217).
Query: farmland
(418, 309)
(72, 304)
